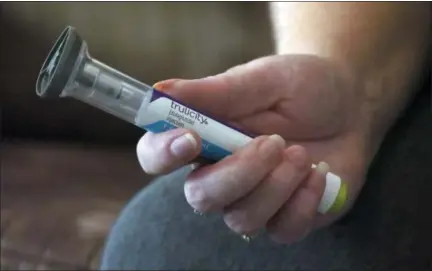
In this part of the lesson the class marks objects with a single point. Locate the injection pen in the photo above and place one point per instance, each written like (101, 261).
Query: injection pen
(69, 71)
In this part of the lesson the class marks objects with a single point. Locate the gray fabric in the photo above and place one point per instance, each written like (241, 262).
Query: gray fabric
(389, 228)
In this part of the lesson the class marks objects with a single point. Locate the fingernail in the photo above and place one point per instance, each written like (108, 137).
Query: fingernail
(323, 168)
(278, 139)
(166, 84)
(183, 145)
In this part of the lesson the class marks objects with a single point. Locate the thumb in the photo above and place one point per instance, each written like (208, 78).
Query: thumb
(235, 93)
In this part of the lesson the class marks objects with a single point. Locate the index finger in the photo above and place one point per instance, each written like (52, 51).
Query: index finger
(238, 92)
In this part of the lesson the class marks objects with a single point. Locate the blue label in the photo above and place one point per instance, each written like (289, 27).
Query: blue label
(209, 150)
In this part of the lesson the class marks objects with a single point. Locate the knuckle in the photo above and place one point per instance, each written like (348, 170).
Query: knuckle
(196, 196)
(239, 223)
(290, 237)
(277, 238)
(281, 238)
(287, 235)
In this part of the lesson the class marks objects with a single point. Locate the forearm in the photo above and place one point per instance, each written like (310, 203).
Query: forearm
(384, 46)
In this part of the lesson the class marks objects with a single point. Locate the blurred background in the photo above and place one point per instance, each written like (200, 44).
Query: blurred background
(149, 41)
(68, 168)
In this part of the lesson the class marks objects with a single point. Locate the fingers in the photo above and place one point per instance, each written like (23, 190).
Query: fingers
(260, 185)
(241, 90)
(215, 186)
(252, 213)
(295, 219)
(167, 151)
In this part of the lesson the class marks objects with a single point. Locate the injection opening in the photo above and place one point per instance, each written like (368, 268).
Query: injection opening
(57, 67)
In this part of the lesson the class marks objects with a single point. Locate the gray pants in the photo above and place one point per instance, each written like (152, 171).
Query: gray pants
(389, 228)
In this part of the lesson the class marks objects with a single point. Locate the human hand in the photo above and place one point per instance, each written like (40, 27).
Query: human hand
(313, 112)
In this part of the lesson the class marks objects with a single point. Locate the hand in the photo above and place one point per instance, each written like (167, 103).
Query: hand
(304, 109)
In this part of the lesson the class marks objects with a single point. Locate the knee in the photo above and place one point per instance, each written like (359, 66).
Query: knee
(141, 224)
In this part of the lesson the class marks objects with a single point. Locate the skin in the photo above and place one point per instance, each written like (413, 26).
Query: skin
(324, 96)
